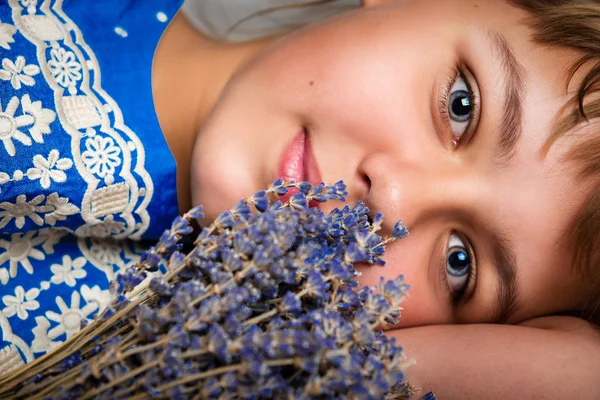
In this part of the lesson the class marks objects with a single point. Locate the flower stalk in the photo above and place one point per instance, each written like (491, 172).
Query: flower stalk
(265, 305)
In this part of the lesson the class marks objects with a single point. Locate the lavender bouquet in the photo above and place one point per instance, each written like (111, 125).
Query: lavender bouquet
(263, 303)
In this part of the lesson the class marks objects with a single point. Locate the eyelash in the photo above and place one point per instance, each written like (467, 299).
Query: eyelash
(445, 98)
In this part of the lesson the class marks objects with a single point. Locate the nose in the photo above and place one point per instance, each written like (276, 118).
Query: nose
(413, 189)
(423, 192)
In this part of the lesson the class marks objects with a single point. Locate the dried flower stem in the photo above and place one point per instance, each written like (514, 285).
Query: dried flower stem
(124, 378)
(221, 371)
(265, 304)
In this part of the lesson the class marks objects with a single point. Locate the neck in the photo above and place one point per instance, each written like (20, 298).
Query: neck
(188, 74)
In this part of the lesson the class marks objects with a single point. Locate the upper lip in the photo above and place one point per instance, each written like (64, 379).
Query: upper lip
(298, 162)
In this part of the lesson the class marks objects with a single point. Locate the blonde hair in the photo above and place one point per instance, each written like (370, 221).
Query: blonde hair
(575, 24)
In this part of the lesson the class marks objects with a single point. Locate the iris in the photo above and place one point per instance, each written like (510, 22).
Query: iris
(460, 106)
(458, 263)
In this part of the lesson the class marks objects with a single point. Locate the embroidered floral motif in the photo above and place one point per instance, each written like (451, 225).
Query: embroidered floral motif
(18, 250)
(56, 209)
(107, 251)
(51, 236)
(30, 5)
(102, 156)
(51, 169)
(7, 31)
(9, 126)
(68, 271)
(64, 68)
(42, 118)
(62, 209)
(21, 209)
(42, 342)
(97, 295)
(21, 302)
(18, 72)
(69, 319)
(102, 230)
(52, 102)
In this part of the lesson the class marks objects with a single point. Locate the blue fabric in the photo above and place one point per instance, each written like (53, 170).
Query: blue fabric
(80, 187)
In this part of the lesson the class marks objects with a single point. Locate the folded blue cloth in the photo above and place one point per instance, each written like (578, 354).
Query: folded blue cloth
(78, 133)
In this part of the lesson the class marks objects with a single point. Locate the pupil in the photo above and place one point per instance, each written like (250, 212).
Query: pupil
(460, 106)
(458, 263)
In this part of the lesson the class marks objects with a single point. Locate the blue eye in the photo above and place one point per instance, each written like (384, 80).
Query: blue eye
(459, 107)
(459, 265)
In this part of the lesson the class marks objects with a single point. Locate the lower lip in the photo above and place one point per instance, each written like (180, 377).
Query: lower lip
(298, 163)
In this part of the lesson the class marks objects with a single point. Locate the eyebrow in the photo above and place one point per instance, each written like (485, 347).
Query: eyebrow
(512, 108)
(507, 294)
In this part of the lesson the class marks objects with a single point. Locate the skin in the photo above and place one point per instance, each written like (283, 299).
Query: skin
(367, 86)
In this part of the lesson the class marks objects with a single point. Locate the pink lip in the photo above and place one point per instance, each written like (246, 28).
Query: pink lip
(298, 163)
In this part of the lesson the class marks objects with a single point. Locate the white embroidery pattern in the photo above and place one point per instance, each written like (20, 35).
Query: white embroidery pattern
(68, 271)
(69, 319)
(21, 302)
(97, 295)
(51, 169)
(104, 150)
(56, 209)
(33, 113)
(19, 249)
(10, 359)
(51, 236)
(107, 252)
(95, 152)
(104, 229)
(9, 126)
(43, 342)
(18, 72)
(102, 156)
(7, 31)
(30, 4)
(42, 118)
(64, 68)
(61, 209)
(22, 209)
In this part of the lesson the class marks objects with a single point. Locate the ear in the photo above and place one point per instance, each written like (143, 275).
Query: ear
(370, 3)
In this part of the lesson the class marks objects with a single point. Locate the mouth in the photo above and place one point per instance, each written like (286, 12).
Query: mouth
(298, 163)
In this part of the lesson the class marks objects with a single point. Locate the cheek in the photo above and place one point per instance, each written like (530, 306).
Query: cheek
(410, 258)
(216, 182)
(351, 79)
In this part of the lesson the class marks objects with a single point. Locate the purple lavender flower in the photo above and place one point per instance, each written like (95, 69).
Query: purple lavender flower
(266, 305)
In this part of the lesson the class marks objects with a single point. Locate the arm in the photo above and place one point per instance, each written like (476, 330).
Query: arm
(545, 358)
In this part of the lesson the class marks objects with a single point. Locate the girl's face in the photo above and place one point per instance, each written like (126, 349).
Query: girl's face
(433, 112)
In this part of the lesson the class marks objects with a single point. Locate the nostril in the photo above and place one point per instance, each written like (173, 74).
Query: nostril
(369, 217)
(366, 183)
